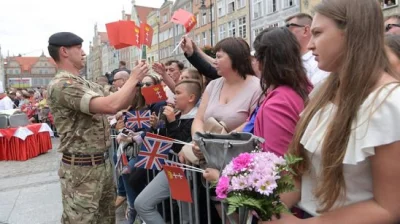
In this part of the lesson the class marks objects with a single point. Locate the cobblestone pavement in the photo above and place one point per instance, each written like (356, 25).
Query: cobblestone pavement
(30, 191)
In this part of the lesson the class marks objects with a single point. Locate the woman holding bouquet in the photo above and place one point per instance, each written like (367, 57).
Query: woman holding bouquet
(348, 135)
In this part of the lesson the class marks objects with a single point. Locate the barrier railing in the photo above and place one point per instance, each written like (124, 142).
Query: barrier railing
(193, 208)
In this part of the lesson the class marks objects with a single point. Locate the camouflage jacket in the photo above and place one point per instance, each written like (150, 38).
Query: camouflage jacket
(81, 132)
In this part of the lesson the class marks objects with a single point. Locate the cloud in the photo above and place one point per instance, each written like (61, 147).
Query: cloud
(26, 25)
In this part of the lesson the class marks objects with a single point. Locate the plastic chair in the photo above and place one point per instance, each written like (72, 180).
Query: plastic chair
(18, 120)
(3, 121)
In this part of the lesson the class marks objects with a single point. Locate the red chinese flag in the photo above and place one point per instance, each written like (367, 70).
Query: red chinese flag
(120, 33)
(125, 32)
(179, 17)
(189, 25)
(178, 184)
(113, 33)
(146, 34)
(184, 18)
(136, 36)
(154, 94)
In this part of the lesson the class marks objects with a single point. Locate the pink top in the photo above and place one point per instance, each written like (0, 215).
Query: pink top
(277, 118)
(236, 111)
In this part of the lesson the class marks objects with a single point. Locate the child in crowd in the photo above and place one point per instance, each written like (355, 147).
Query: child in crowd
(135, 137)
(178, 126)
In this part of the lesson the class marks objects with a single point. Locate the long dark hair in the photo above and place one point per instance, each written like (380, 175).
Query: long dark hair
(278, 53)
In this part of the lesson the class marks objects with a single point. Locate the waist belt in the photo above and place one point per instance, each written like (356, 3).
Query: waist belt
(84, 160)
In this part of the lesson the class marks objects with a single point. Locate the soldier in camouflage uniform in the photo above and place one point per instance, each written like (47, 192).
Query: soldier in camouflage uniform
(78, 107)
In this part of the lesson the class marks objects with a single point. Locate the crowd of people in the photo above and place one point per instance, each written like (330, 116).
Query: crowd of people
(32, 102)
(323, 88)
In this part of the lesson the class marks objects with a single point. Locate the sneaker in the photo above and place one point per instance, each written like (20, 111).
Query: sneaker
(130, 215)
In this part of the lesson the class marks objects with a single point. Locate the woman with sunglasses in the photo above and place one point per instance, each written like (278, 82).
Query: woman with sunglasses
(392, 24)
(134, 180)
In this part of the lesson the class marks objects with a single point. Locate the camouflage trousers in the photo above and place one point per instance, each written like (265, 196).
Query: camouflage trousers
(88, 194)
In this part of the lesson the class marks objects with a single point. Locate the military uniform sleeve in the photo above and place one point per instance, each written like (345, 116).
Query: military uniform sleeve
(72, 94)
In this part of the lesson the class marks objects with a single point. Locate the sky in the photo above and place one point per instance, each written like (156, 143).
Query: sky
(26, 25)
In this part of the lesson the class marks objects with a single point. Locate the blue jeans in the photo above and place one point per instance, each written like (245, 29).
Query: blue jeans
(128, 189)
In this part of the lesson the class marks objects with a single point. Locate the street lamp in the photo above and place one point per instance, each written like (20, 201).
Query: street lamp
(203, 8)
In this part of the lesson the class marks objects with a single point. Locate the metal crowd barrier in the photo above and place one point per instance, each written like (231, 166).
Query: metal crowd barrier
(193, 208)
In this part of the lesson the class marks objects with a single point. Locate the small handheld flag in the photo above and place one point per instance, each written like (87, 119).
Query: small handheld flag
(137, 119)
(154, 151)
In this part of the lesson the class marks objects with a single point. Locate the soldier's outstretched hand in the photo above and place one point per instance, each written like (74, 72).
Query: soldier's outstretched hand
(140, 71)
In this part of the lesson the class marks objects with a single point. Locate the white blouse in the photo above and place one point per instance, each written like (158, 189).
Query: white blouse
(377, 123)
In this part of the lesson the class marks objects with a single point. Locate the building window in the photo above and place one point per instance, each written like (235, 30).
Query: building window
(204, 19)
(231, 29)
(165, 20)
(222, 32)
(258, 31)
(273, 25)
(198, 20)
(231, 6)
(388, 3)
(240, 3)
(221, 9)
(272, 6)
(204, 34)
(257, 9)
(288, 3)
(242, 27)
(198, 40)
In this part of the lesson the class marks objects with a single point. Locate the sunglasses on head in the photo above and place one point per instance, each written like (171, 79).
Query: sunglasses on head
(390, 26)
(294, 24)
(147, 84)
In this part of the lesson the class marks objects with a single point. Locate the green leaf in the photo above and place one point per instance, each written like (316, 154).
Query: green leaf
(291, 159)
(231, 209)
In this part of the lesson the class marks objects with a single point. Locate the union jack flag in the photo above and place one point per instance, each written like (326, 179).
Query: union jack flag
(154, 152)
(137, 119)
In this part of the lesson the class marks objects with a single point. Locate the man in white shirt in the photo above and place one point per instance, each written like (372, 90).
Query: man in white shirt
(299, 24)
(5, 102)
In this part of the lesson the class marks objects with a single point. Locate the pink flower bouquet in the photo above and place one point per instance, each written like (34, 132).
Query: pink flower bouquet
(255, 181)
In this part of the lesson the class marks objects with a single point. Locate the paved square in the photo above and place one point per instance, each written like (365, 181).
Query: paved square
(30, 191)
